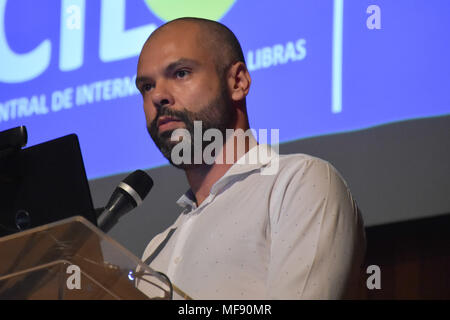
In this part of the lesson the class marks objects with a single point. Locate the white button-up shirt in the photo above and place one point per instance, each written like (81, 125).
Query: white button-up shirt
(295, 234)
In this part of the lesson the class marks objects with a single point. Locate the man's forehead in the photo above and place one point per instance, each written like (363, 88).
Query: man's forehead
(159, 58)
(185, 31)
(165, 48)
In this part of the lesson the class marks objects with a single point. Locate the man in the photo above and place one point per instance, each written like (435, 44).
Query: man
(289, 233)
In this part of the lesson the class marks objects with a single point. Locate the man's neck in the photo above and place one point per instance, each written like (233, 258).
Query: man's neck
(202, 177)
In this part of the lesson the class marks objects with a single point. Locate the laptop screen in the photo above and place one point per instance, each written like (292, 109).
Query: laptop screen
(43, 184)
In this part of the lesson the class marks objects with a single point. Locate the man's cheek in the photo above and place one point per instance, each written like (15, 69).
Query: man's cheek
(149, 111)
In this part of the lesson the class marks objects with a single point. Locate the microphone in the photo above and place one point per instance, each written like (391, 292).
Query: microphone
(128, 195)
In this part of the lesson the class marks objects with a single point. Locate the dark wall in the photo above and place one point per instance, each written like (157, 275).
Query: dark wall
(414, 259)
(396, 172)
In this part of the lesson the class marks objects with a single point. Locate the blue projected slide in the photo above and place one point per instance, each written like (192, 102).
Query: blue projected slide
(317, 67)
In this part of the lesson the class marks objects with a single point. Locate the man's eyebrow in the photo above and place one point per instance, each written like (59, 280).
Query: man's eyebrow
(169, 69)
(180, 62)
(141, 79)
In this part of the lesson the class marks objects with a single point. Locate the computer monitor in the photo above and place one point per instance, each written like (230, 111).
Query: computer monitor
(43, 184)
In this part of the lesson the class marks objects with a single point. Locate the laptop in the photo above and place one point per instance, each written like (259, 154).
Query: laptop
(43, 184)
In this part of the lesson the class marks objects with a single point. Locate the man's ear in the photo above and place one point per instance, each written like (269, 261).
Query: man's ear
(239, 81)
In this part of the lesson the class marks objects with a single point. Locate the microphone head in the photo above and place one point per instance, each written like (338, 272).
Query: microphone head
(128, 195)
(140, 182)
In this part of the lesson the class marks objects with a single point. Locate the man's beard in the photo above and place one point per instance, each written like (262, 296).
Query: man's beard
(218, 114)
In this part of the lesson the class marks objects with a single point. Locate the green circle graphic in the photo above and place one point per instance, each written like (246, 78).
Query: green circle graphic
(172, 9)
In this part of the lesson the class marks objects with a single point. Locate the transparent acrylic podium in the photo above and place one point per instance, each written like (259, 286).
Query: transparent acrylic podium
(73, 259)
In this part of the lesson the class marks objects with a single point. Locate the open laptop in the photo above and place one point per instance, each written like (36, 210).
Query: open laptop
(43, 184)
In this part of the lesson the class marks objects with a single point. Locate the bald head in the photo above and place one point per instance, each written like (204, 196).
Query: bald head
(193, 67)
(213, 36)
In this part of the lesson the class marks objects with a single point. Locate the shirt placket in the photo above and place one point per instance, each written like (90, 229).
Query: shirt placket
(184, 231)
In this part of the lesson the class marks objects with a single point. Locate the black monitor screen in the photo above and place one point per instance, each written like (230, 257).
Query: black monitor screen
(42, 184)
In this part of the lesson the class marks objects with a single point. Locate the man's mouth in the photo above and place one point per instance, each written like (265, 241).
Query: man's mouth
(165, 123)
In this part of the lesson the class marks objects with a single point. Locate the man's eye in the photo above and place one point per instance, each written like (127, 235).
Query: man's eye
(181, 73)
(147, 87)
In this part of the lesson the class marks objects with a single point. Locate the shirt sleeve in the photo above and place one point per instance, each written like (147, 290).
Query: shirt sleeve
(317, 234)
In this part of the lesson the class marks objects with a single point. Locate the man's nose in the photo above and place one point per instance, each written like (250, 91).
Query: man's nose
(161, 95)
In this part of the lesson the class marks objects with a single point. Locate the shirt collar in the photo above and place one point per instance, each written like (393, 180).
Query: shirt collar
(256, 158)
(187, 200)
